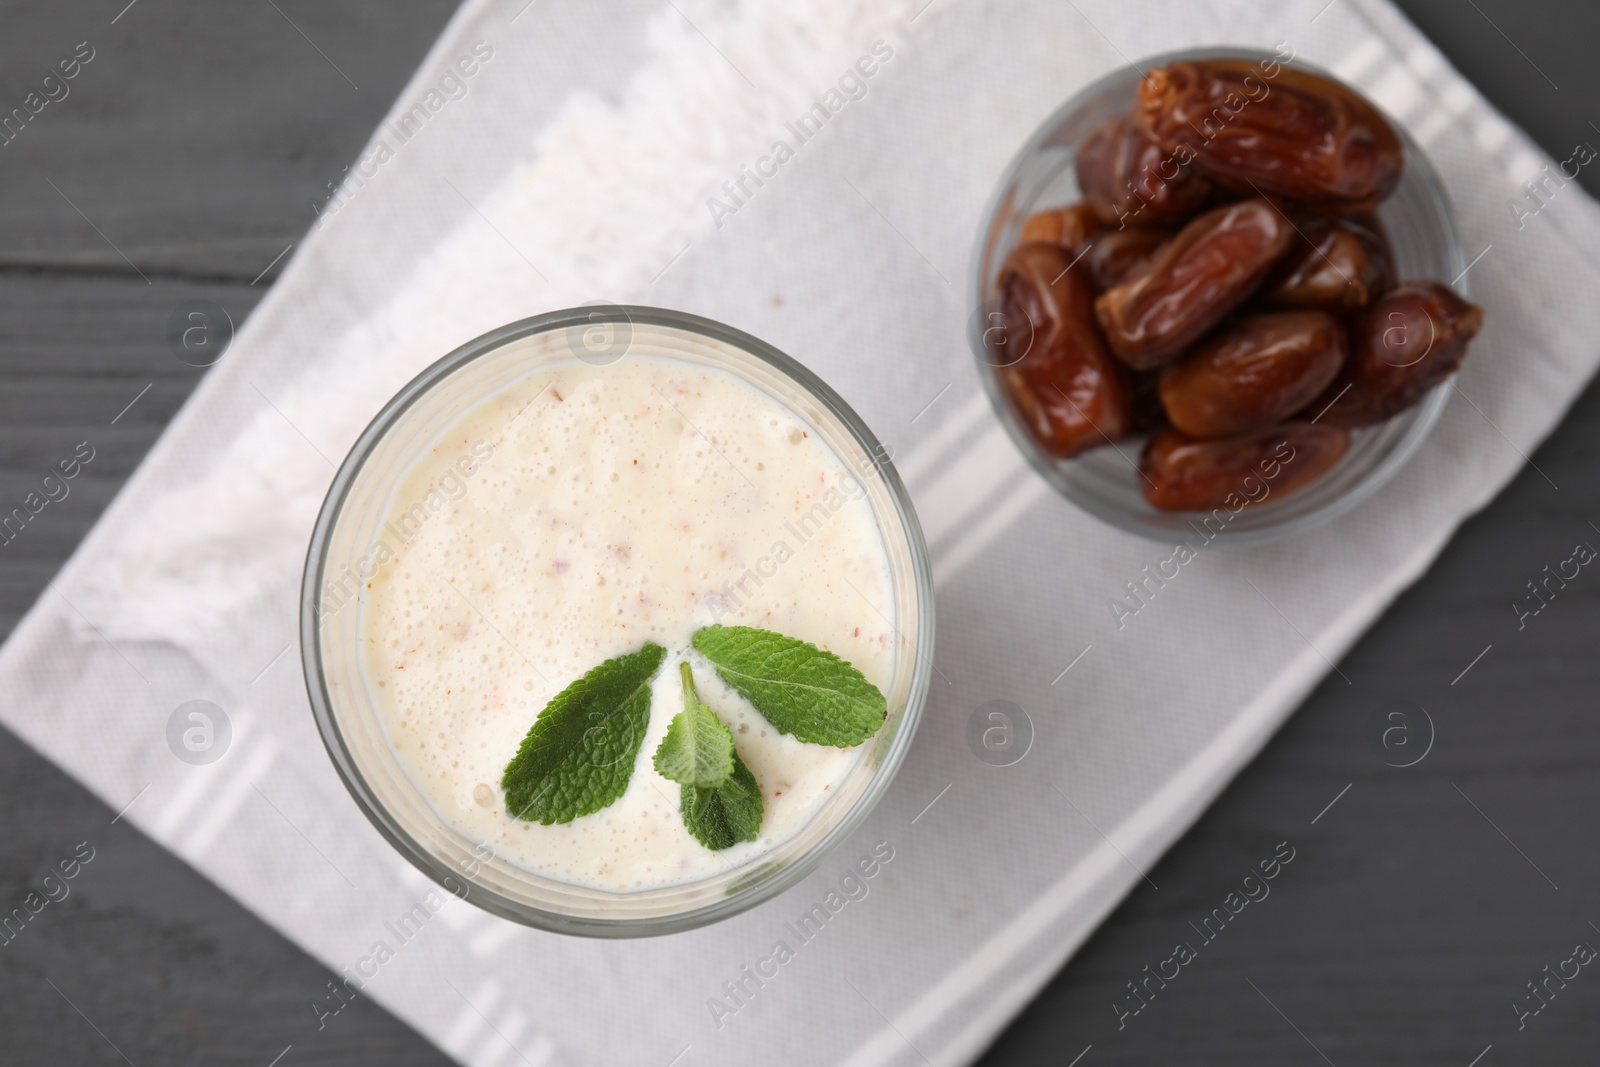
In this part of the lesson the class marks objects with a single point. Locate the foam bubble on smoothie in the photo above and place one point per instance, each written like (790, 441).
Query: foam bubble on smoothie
(570, 518)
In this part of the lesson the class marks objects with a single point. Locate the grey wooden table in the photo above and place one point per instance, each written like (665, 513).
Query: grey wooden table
(185, 160)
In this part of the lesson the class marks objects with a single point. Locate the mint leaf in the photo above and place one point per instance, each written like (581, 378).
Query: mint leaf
(799, 688)
(698, 748)
(580, 751)
(720, 817)
(718, 796)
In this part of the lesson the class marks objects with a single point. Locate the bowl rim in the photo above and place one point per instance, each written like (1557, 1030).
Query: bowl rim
(1426, 414)
(752, 890)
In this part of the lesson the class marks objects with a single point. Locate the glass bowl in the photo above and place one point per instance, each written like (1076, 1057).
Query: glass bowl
(1106, 482)
(348, 528)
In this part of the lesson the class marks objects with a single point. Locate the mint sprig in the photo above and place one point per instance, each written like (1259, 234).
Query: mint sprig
(579, 753)
(698, 748)
(799, 688)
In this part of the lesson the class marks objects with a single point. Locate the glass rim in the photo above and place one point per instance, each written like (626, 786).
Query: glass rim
(1426, 414)
(755, 891)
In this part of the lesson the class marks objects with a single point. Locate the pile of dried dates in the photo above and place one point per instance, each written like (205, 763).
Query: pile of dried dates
(1225, 287)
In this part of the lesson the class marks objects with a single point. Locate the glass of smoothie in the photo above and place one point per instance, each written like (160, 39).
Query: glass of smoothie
(570, 490)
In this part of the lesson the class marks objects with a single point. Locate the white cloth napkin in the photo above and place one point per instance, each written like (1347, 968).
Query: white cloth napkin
(574, 162)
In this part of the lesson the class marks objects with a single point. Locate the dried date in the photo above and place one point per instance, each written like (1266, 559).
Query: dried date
(1118, 256)
(1071, 227)
(1265, 128)
(1256, 372)
(1184, 474)
(1341, 266)
(1211, 267)
(1406, 342)
(1124, 171)
(1067, 389)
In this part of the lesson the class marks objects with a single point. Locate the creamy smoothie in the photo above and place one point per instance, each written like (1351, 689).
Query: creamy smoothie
(575, 515)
